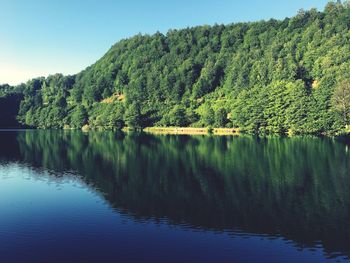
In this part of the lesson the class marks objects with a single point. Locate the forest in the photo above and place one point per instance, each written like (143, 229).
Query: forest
(288, 76)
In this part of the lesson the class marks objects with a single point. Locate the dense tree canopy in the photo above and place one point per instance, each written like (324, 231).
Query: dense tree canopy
(263, 77)
(341, 101)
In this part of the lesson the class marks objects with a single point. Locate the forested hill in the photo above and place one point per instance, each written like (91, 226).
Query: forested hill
(263, 77)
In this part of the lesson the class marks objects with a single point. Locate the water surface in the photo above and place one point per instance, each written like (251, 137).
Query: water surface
(111, 197)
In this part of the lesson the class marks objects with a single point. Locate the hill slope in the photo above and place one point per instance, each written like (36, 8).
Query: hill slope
(264, 77)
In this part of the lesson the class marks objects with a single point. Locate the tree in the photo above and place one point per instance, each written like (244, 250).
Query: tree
(341, 101)
(177, 116)
(208, 115)
(133, 116)
(299, 105)
(220, 118)
(79, 117)
(116, 117)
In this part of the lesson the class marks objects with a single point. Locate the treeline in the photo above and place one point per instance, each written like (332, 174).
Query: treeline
(10, 99)
(263, 77)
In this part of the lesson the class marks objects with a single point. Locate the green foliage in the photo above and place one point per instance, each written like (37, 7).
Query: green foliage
(107, 116)
(220, 118)
(207, 115)
(133, 116)
(79, 117)
(341, 101)
(9, 105)
(268, 77)
(177, 116)
(5, 89)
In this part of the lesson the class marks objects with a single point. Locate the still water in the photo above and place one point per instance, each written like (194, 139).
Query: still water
(112, 197)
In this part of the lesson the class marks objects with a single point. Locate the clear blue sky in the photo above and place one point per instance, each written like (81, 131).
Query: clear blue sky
(41, 37)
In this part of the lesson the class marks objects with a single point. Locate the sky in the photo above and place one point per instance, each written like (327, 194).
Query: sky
(42, 37)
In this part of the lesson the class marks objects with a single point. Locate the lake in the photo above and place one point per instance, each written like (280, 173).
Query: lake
(68, 196)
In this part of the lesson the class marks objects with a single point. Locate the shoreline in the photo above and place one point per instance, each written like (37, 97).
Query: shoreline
(191, 131)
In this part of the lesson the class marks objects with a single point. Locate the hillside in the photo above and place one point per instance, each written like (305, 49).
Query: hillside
(263, 77)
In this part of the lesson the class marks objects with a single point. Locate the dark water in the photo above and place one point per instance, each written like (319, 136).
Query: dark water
(109, 197)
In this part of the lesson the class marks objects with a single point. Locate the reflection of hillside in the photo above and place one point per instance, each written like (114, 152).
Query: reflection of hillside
(295, 187)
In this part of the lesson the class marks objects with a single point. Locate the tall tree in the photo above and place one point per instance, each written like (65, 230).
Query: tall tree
(341, 101)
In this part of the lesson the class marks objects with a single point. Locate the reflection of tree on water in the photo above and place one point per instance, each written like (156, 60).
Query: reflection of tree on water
(296, 187)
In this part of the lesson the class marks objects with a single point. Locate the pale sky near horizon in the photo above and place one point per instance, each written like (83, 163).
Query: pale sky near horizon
(42, 37)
